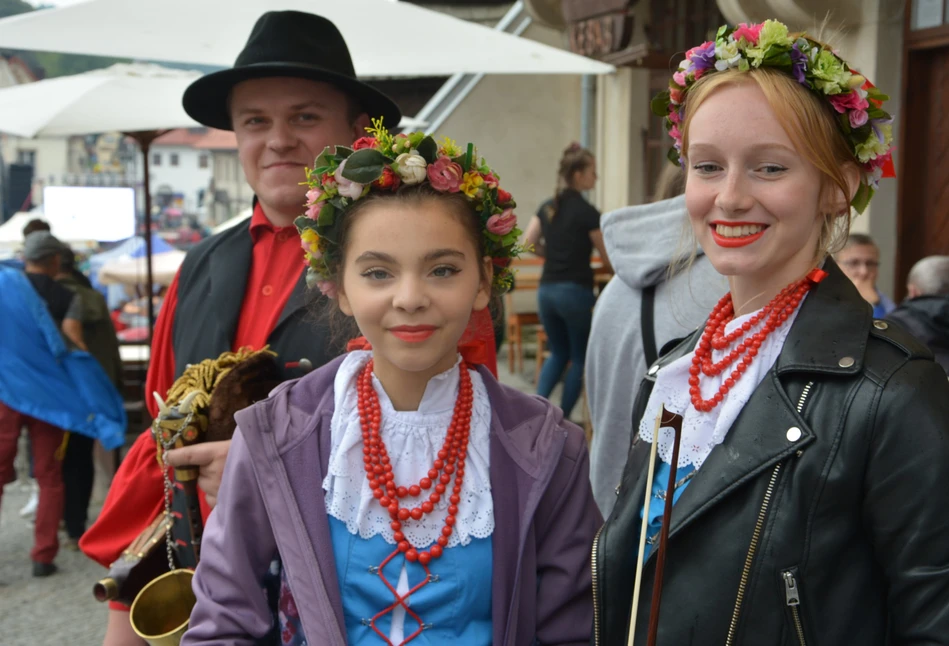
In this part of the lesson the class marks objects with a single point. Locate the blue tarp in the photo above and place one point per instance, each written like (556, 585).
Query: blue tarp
(41, 378)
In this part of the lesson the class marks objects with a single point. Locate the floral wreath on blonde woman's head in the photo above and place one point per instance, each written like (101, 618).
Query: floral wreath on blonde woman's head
(858, 104)
(381, 163)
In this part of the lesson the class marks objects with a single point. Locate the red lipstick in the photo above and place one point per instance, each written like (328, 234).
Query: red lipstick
(731, 242)
(413, 333)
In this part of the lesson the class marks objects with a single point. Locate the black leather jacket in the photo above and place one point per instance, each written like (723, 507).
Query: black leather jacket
(839, 537)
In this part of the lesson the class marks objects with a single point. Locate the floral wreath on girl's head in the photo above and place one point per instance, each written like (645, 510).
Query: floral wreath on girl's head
(381, 163)
(858, 104)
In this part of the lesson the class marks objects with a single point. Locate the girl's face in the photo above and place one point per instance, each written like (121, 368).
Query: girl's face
(754, 201)
(411, 278)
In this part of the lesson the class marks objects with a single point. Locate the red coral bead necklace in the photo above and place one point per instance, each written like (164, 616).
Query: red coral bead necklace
(450, 461)
(774, 314)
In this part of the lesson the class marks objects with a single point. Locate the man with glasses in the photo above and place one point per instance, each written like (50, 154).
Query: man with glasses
(860, 260)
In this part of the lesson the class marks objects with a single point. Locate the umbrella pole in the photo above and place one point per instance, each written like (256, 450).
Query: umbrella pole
(145, 139)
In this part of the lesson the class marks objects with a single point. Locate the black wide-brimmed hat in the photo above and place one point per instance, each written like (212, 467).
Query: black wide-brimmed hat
(287, 43)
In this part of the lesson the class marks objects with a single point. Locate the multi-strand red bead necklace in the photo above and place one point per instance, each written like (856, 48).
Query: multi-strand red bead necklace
(773, 314)
(450, 461)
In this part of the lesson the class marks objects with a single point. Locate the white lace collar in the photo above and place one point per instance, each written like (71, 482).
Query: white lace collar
(702, 432)
(413, 439)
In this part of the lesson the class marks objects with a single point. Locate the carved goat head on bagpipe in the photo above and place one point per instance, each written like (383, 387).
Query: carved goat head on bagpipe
(199, 407)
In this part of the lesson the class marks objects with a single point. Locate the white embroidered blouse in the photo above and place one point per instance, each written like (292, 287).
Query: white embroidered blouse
(413, 439)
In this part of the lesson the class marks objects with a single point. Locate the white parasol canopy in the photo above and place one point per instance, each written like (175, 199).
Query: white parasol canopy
(123, 97)
(133, 271)
(385, 38)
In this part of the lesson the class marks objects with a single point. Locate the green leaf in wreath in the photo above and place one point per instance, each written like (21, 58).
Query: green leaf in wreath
(365, 166)
(324, 159)
(302, 223)
(660, 104)
(428, 149)
(327, 215)
(342, 152)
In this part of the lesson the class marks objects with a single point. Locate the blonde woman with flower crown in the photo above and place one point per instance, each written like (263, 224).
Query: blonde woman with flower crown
(407, 496)
(809, 499)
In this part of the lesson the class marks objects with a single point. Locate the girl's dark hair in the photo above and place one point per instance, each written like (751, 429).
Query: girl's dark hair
(575, 159)
(343, 327)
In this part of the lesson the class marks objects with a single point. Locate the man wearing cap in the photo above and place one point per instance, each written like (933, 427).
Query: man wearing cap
(42, 258)
(292, 92)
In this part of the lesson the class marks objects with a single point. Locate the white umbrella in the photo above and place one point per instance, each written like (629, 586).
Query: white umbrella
(133, 271)
(127, 98)
(385, 38)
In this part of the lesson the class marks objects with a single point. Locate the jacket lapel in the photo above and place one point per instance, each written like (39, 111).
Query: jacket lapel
(296, 301)
(226, 295)
(759, 437)
(757, 440)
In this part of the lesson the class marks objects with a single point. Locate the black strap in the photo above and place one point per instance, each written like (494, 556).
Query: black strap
(647, 325)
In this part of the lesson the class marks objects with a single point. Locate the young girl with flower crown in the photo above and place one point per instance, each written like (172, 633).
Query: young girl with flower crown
(408, 496)
(807, 483)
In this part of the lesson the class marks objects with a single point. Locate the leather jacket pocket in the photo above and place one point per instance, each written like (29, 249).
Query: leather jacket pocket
(793, 605)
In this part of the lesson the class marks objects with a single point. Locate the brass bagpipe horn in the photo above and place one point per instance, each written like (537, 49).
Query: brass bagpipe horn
(199, 407)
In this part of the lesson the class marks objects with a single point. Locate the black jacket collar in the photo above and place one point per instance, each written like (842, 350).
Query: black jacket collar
(829, 336)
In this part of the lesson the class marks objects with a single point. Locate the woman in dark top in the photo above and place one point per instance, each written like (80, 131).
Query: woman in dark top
(564, 232)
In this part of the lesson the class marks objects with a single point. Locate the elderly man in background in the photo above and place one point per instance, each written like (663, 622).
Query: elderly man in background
(925, 312)
(860, 261)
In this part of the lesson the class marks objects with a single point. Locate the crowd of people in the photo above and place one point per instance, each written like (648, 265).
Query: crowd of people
(769, 430)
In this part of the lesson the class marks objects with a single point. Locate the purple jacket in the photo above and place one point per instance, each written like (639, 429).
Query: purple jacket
(271, 500)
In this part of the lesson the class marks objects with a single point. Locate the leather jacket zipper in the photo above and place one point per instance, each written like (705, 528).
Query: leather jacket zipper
(596, 601)
(793, 601)
(756, 536)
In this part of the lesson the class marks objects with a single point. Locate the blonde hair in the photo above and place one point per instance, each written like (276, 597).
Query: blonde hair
(812, 127)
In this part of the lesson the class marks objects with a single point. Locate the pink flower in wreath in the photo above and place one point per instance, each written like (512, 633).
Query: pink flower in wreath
(858, 118)
(679, 78)
(502, 224)
(676, 95)
(313, 211)
(503, 196)
(490, 180)
(675, 134)
(674, 117)
(327, 288)
(445, 175)
(848, 101)
(347, 187)
(750, 33)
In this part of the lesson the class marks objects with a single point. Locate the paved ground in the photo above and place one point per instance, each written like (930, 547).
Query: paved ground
(60, 610)
(44, 612)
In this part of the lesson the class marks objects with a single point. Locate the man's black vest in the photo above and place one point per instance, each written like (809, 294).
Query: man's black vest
(211, 287)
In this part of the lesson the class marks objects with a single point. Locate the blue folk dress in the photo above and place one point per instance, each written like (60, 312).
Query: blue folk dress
(454, 605)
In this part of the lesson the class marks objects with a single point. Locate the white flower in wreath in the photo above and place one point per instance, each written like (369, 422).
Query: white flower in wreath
(411, 167)
(727, 54)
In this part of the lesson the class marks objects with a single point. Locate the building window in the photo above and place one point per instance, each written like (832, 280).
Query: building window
(27, 157)
(202, 161)
(156, 159)
(174, 159)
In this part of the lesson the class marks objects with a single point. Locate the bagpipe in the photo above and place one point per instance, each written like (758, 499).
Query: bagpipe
(155, 579)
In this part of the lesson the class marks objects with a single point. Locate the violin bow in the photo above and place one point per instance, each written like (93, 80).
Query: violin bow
(663, 419)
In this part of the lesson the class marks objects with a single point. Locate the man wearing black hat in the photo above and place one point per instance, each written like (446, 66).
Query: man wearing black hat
(292, 92)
